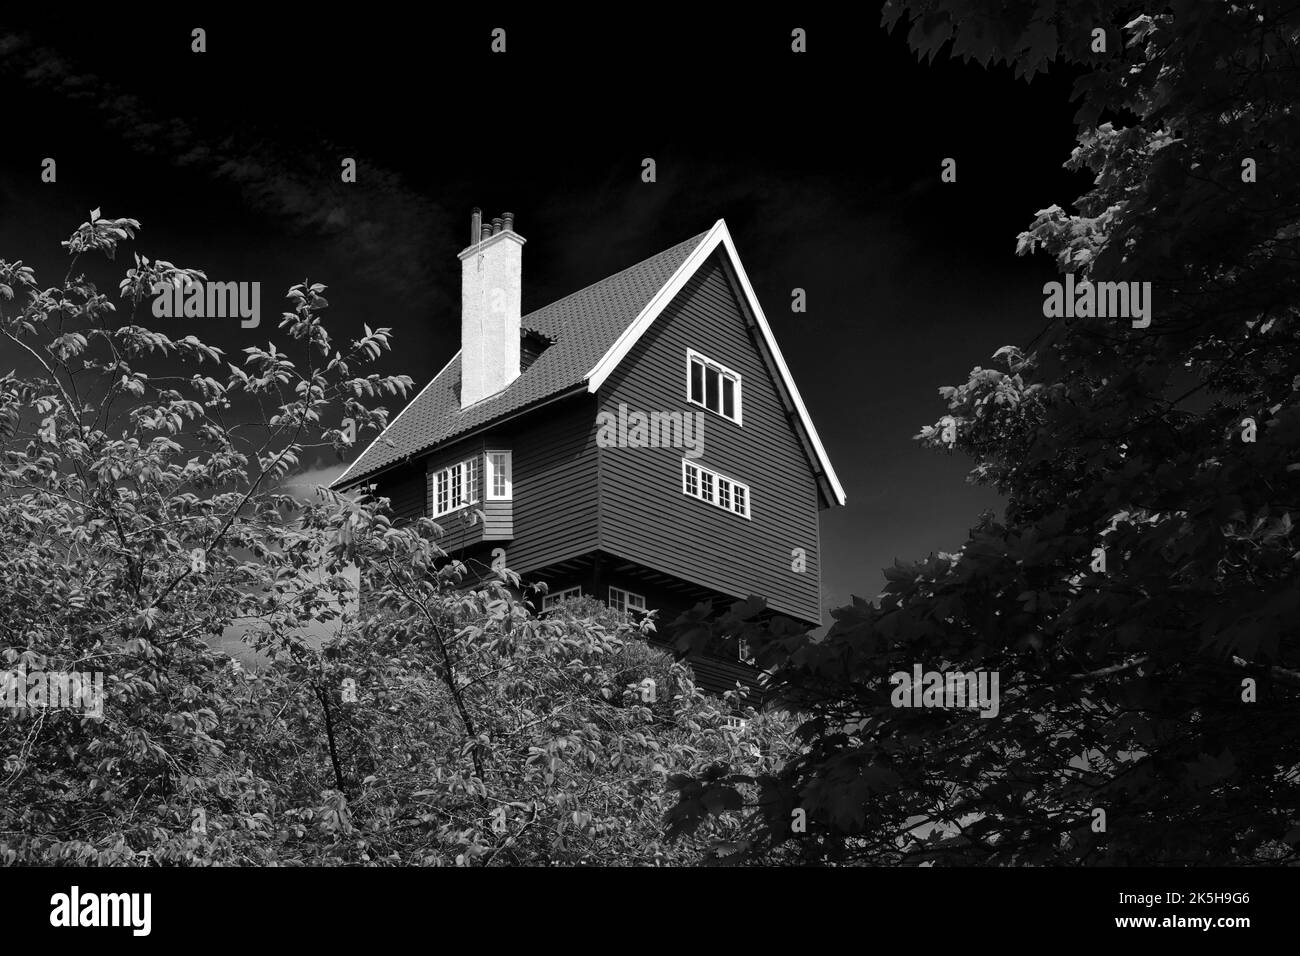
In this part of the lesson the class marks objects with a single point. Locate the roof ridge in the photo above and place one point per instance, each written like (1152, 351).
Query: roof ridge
(614, 275)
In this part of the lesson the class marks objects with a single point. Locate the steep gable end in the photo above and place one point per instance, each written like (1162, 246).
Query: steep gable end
(648, 517)
(718, 239)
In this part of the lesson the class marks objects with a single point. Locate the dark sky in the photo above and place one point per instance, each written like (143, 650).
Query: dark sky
(825, 165)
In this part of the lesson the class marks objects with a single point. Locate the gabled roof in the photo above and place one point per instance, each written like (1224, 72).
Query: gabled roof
(581, 327)
(591, 331)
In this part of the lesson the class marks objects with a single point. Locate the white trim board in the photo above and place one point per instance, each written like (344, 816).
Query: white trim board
(716, 236)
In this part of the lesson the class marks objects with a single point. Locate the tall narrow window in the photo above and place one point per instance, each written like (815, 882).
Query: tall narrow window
(444, 493)
(457, 484)
(713, 386)
(499, 483)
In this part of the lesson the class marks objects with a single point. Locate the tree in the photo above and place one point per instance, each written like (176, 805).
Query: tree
(1138, 599)
(144, 512)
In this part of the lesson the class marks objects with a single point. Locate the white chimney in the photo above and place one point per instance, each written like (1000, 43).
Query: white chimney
(490, 299)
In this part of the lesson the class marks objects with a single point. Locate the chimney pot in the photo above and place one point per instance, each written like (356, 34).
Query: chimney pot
(496, 225)
(508, 222)
(487, 231)
(475, 225)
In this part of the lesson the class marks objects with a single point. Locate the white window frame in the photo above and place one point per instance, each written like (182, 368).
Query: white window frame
(491, 473)
(552, 599)
(468, 481)
(624, 603)
(692, 357)
(704, 483)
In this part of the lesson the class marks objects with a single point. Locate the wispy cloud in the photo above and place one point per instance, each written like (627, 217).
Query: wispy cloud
(379, 224)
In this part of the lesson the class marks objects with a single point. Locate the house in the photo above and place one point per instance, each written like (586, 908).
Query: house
(640, 440)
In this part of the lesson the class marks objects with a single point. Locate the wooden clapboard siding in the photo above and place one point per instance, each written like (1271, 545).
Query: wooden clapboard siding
(644, 515)
(717, 676)
(462, 530)
(553, 511)
(555, 482)
(498, 520)
(405, 487)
